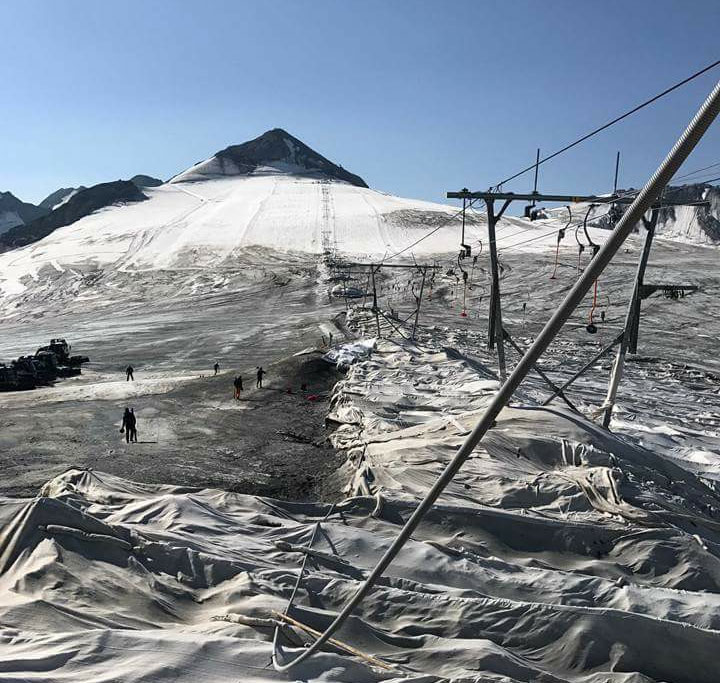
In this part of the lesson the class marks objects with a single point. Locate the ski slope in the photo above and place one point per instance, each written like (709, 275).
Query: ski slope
(209, 223)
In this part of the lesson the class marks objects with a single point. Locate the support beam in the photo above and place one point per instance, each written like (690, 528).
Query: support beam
(632, 321)
(378, 266)
(495, 326)
(393, 325)
(603, 352)
(419, 303)
(537, 168)
(617, 170)
(632, 324)
(375, 303)
(558, 391)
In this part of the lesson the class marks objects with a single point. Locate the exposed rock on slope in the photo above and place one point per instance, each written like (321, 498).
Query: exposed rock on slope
(145, 181)
(14, 212)
(275, 149)
(701, 224)
(79, 205)
(696, 224)
(53, 200)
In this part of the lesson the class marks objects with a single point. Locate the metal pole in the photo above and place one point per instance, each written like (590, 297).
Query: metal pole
(375, 306)
(631, 322)
(642, 203)
(585, 367)
(495, 333)
(367, 286)
(419, 303)
(617, 169)
(558, 391)
(489, 204)
(635, 328)
(537, 165)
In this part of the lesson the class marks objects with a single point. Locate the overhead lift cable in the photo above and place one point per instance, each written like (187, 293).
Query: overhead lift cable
(544, 235)
(565, 149)
(700, 170)
(432, 232)
(611, 123)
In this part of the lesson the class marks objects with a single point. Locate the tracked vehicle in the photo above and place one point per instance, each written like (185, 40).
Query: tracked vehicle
(47, 365)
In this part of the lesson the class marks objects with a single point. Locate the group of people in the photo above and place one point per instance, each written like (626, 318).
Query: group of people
(238, 383)
(129, 425)
(129, 421)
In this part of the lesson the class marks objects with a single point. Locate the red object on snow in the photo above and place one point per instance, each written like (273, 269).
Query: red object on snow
(463, 314)
(313, 397)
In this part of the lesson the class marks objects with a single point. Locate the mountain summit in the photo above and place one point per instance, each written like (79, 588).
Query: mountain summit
(274, 150)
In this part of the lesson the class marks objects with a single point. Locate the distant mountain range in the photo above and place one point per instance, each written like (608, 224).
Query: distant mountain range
(77, 204)
(22, 223)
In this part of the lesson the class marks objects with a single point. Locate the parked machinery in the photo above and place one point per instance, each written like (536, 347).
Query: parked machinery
(47, 365)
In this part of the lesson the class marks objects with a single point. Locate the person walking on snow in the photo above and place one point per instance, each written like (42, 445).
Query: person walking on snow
(260, 373)
(237, 383)
(129, 373)
(216, 367)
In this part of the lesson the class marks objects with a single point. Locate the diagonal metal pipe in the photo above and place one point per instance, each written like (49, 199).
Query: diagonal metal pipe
(643, 202)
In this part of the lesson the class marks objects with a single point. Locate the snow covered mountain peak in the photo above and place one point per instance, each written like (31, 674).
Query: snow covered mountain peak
(275, 151)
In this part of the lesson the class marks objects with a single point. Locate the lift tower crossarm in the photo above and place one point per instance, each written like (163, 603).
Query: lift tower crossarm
(412, 266)
(564, 198)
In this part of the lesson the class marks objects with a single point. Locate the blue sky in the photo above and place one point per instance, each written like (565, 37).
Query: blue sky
(416, 96)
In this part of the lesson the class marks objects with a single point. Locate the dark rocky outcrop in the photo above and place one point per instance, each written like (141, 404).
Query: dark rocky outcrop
(707, 218)
(78, 206)
(26, 212)
(273, 147)
(55, 198)
(145, 181)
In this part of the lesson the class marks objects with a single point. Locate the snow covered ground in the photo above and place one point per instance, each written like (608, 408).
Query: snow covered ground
(562, 552)
(199, 225)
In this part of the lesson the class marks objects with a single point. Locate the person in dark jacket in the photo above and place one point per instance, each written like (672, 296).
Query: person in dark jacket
(260, 373)
(129, 373)
(133, 426)
(237, 383)
(216, 367)
(128, 425)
